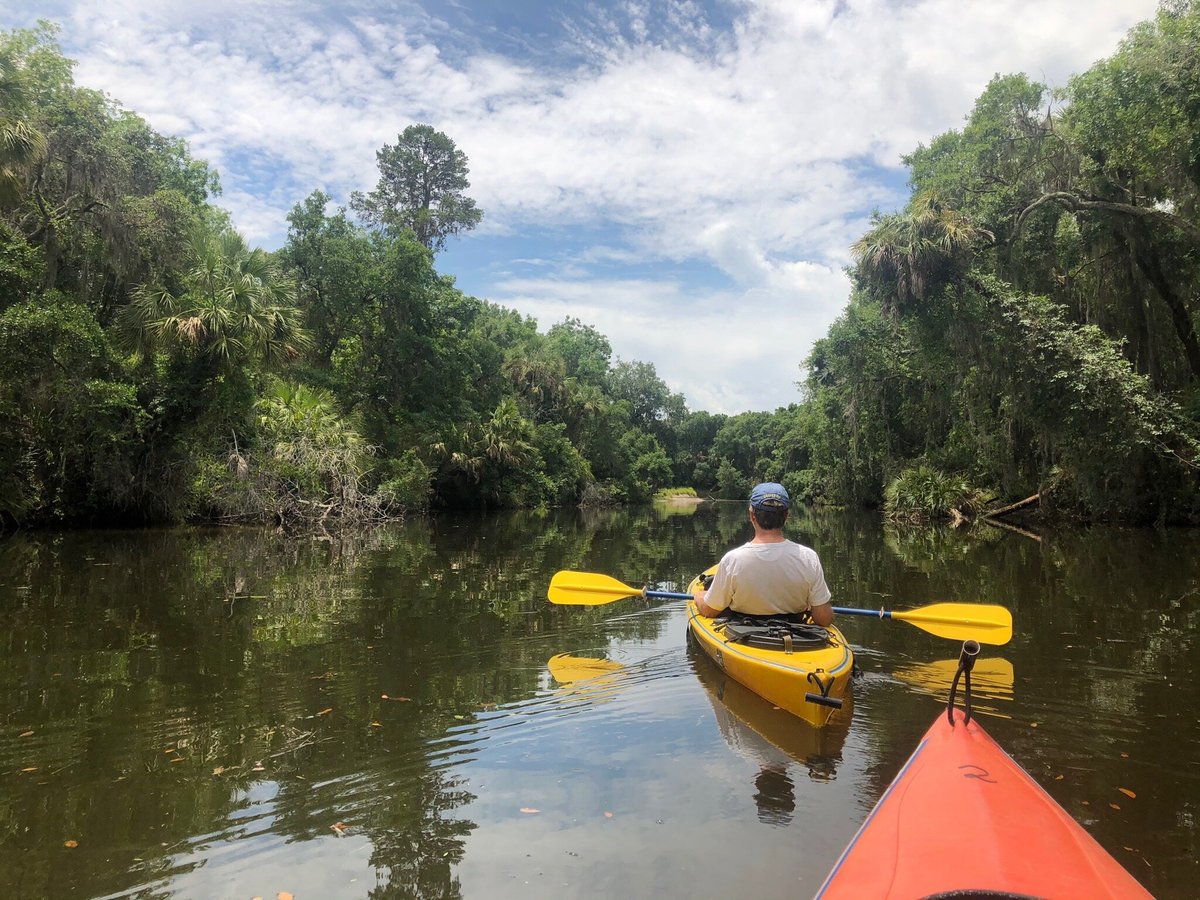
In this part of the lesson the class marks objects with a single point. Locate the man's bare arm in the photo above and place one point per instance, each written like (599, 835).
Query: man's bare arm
(703, 608)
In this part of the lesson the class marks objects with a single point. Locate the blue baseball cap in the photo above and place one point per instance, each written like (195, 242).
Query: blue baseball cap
(769, 494)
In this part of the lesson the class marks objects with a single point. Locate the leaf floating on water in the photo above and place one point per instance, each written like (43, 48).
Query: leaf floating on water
(529, 809)
(325, 711)
(70, 845)
(1128, 793)
(25, 733)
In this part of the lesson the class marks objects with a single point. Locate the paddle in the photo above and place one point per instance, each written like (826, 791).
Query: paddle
(986, 623)
(591, 589)
(983, 622)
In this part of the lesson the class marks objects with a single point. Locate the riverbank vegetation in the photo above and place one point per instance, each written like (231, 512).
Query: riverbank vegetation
(1026, 325)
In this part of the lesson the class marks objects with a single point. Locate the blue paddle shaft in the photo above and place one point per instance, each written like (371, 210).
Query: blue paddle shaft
(842, 610)
(668, 595)
(873, 613)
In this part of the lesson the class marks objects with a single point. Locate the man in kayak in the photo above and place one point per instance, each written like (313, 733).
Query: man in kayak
(771, 574)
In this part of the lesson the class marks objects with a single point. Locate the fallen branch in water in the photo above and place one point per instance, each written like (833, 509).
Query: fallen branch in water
(1012, 507)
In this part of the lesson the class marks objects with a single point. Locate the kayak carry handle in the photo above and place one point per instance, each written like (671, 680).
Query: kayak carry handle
(822, 700)
(966, 662)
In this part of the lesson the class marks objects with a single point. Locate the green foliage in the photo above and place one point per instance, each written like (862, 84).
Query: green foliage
(422, 178)
(585, 352)
(329, 259)
(731, 483)
(910, 256)
(305, 466)
(21, 271)
(71, 428)
(923, 492)
(668, 492)
(235, 309)
(652, 406)
(1038, 327)
(1027, 321)
(404, 483)
(649, 465)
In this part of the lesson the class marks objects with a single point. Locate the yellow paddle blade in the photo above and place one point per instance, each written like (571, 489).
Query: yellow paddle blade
(587, 589)
(983, 622)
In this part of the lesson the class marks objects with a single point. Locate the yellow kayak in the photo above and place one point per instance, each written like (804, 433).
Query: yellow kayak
(806, 674)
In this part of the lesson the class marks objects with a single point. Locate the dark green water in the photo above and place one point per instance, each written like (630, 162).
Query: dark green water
(203, 712)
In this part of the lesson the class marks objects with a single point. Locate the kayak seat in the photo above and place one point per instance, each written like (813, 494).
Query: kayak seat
(790, 632)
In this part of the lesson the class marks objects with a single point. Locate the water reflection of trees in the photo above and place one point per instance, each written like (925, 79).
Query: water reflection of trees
(144, 662)
(180, 668)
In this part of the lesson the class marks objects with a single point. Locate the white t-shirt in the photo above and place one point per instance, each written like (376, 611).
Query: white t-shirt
(764, 579)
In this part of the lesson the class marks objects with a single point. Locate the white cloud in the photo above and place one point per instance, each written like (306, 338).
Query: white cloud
(726, 351)
(756, 149)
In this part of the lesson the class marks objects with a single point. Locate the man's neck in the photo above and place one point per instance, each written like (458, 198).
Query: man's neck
(763, 536)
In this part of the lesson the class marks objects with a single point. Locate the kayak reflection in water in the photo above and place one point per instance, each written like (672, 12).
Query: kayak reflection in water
(770, 575)
(772, 739)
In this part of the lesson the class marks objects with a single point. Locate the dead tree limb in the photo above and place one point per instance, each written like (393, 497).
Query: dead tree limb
(1012, 507)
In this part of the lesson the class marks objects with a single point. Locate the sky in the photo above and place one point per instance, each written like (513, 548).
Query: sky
(687, 176)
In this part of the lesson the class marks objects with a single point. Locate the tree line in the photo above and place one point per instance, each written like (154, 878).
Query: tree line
(1026, 324)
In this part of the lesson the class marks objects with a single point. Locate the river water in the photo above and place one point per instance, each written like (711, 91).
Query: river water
(240, 713)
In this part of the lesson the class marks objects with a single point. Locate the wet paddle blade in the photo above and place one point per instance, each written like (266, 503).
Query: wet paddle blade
(983, 622)
(587, 589)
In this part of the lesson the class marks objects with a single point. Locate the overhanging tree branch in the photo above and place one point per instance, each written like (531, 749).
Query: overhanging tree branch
(1075, 203)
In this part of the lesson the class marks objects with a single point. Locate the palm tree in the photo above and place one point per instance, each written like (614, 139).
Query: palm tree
(500, 443)
(235, 307)
(21, 145)
(909, 255)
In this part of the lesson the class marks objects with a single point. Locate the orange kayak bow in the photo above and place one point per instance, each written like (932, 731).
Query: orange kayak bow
(963, 819)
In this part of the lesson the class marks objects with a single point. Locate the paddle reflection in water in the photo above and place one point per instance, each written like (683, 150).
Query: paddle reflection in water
(584, 675)
(772, 739)
(991, 681)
